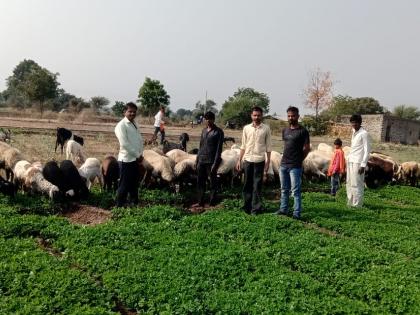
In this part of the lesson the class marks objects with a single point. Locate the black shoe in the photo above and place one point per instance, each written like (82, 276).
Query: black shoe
(297, 217)
(255, 212)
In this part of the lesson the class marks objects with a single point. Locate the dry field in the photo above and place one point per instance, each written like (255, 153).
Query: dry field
(36, 138)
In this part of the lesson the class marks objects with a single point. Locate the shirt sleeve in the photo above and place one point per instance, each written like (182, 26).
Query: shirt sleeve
(243, 144)
(268, 140)
(219, 149)
(366, 149)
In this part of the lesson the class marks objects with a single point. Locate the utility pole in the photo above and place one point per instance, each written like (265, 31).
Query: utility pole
(205, 104)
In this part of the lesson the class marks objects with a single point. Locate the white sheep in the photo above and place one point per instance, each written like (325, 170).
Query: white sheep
(158, 165)
(178, 155)
(316, 164)
(325, 148)
(74, 152)
(275, 162)
(90, 170)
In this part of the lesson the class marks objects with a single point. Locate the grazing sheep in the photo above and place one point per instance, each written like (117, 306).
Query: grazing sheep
(227, 169)
(74, 152)
(110, 173)
(55, 176)
(228, 139)
(316, 165)
(159, 166)
(3, 147)
(408, 172)
(20, 170)
(10, 157)
(185, 172)
(74, 180)
(275, 162)
(183, 138)
(325, 148)
(178, 155)
(90, 170)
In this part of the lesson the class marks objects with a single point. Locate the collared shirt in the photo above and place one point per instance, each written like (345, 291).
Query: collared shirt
(211, 145)
(256, 141)
(130, 139)
(158, 119)
(360, 147)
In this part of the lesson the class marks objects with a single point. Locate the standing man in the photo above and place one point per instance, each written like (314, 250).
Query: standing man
(129, 156)
(208, 159)
(296, 148)
(256, 144)
(357, 161)
(159, 127)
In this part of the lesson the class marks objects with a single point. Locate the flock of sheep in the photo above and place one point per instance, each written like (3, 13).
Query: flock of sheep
(74, 176)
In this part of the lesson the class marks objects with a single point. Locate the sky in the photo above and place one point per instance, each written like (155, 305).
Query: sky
(107, 48)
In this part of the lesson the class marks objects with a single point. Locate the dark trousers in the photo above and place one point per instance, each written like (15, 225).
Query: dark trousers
(253, 173)
(204, 171)
(129, 183)
(162, 134)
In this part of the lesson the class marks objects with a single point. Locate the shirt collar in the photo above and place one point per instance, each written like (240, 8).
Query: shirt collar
(127, 121)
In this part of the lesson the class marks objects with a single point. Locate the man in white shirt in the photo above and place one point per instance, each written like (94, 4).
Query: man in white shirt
(159, 124)
(256, 144)
(356, 162)
(129, 156)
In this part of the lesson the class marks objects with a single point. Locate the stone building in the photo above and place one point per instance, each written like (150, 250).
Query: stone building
(388, 128)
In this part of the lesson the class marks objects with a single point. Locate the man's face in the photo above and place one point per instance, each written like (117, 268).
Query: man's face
(355, 125)
(130, 113)
(256, 116)
(292, 118)
(210, 122)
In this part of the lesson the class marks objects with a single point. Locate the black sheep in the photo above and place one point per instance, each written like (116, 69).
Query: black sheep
(7, 188)
(54, 175)
(74, 180)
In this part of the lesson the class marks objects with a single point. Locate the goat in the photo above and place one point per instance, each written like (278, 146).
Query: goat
(183, 138)
(110, 172)
(63, 135)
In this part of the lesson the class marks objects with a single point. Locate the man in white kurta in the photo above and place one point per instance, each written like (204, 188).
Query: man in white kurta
(356, 162)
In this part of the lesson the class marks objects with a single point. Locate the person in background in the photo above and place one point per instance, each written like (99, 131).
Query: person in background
(129, 156)
(296, 148)
(337, 166)
(256, 144)
(159, 124)
(357, 161)
(208, 159)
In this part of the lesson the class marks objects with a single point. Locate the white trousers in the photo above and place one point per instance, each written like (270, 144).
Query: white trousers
(355, 185)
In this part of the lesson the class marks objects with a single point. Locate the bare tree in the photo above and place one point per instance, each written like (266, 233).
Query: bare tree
(318, 94)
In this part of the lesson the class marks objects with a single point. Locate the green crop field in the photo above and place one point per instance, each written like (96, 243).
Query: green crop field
(160, 259)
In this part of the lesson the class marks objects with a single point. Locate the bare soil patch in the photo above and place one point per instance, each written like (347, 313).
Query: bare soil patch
(87, 215)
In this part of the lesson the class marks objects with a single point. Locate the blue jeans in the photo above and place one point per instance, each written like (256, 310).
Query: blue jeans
(291, 179)
(335, 183)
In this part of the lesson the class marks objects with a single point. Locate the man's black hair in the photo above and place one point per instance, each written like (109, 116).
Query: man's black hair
(293, 109)
(209, 116)
(338, 142)
(356, 118)
(256, 109)
(130, 105)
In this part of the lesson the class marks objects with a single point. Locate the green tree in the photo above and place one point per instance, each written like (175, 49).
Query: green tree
(151, 96)
(77, 104)
(39, 86)
(346, 105)
(97, 103)
(183, 113)
(118, 108)
(237, 108)
(201, 108)
(62, 100)
(407, 112)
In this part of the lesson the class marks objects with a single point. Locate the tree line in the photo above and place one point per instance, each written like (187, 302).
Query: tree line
(31, 85)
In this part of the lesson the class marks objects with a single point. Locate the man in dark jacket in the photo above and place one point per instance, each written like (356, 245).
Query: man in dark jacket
(208, 159)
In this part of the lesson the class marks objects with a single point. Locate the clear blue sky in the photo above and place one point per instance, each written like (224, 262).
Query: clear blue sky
(107, 48)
